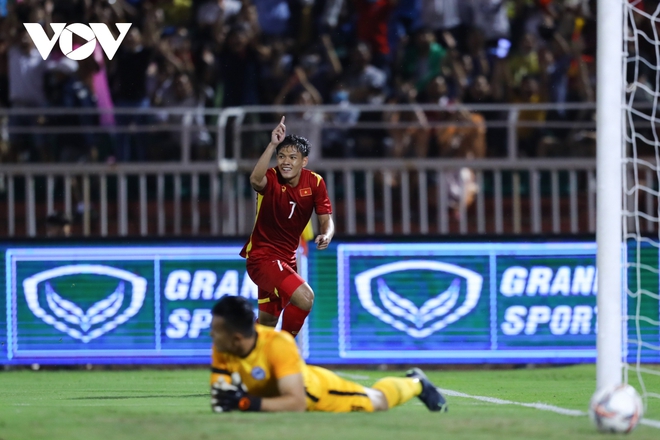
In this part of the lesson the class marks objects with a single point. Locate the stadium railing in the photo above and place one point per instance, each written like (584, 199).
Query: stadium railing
(226, 127)
(379, 196)
(370, 196)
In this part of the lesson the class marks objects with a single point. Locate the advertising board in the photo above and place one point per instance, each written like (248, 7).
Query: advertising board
(375, 302)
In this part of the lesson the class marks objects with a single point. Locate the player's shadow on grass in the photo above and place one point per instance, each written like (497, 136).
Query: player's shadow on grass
(137, 397)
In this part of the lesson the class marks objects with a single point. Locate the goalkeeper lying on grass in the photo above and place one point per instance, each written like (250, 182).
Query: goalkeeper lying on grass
(257, 368)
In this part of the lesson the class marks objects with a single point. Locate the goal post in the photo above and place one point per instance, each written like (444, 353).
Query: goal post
(609, 168)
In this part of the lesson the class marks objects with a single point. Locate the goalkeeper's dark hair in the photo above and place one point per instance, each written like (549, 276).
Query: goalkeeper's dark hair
(237, 313)
(298, 142)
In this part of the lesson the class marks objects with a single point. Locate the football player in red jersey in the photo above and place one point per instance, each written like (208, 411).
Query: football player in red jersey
(286, 197)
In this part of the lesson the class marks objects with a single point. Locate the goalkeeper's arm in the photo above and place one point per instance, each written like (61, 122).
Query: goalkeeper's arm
(292, 395)
(231, 397)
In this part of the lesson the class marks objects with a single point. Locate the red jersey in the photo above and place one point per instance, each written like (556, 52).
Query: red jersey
(372, 24)
(283, 211)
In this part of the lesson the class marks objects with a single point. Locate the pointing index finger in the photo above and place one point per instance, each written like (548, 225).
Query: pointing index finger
(282, 121)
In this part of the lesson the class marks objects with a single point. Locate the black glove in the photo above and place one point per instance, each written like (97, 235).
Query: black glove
(232, 396)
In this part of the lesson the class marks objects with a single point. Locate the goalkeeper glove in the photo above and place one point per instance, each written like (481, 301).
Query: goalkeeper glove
(227, 397)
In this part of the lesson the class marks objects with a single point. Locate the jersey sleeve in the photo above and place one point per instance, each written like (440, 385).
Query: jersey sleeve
(321, 200)
(271, 179)
(219, 368)
(283, 356)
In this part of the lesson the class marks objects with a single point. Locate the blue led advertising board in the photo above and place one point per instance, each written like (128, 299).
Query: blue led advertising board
(375, 302)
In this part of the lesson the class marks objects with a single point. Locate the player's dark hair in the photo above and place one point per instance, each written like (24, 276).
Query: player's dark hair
(298, 142)
(237, 313)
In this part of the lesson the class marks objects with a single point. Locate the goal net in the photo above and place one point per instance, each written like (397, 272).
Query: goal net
(641, 208)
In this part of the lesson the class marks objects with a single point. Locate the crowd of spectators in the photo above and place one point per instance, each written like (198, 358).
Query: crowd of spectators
(224, 53)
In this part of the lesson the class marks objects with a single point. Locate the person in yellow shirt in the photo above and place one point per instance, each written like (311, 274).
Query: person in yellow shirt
(257, 368)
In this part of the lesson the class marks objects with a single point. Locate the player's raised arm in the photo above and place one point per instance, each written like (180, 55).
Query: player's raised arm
(258, 176)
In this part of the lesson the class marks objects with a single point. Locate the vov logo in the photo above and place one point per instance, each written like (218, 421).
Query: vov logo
(70, 318)
(92, 33)
(418, 321)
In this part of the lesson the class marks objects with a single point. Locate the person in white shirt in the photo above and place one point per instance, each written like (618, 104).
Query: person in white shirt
(27, 71)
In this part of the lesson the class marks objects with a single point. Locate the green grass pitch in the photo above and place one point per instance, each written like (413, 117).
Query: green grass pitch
(174, 404)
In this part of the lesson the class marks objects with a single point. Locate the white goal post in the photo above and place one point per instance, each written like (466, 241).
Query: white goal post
(609, 168)
(628, 198)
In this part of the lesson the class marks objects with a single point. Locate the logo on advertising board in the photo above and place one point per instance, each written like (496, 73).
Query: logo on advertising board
(466, 302)
(119, 304)
(380, 299)
(103, 316)
(95, 32)
(547, 298)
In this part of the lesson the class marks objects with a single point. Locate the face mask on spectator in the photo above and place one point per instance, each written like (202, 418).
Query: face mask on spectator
(339, 96)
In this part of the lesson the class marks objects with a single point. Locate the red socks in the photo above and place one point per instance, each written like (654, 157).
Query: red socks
(293, 319)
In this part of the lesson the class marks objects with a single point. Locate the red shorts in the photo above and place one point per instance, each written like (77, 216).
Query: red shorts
(276, 281)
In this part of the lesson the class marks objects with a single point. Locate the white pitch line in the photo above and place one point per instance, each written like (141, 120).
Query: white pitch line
(495, 400)
(652, 423)
(541, 406)
(352, 376)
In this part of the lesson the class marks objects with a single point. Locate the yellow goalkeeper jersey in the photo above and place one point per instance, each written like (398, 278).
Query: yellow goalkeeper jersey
(275, 356)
